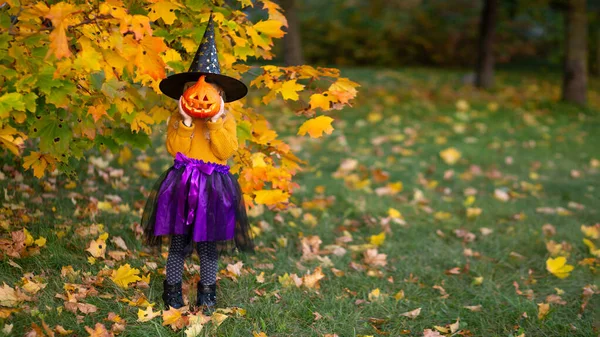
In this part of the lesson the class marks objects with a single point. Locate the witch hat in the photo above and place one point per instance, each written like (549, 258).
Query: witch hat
(206, 62)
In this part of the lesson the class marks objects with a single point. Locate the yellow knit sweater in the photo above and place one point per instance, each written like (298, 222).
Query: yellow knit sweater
(209, 141)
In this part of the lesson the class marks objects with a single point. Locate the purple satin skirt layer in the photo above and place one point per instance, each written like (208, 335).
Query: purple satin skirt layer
(199, 199)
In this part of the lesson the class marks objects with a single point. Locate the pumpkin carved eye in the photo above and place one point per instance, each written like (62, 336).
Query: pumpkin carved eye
(201, 100)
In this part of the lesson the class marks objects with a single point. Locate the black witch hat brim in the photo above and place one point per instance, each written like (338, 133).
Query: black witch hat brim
(173, 85)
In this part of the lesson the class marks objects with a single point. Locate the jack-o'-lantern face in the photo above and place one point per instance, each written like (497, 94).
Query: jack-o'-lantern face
(201, 100)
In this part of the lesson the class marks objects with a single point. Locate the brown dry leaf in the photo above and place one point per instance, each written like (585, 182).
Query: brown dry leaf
(317, 316)
(119, 242)
(443, 293)
(372, 258)
(412, 314)
(8, 296)
(310, 247)
(548, 230)
(235, 270)
(431, 333)
(555, 299)
(475, 308)
(453, 271)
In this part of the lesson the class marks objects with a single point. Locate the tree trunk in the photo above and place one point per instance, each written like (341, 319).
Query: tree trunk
(487, 32)
(597, 72)
(575, 62)
(292, 44)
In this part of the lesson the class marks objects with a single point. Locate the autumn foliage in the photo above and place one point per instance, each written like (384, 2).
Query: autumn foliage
(77, 76)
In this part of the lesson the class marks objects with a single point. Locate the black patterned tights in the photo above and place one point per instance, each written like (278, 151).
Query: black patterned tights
(209, 260)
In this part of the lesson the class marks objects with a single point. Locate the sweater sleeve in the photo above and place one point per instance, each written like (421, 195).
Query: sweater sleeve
(223, 137)
(179, 136)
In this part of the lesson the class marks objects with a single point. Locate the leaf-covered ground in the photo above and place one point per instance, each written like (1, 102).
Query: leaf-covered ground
(433, 209)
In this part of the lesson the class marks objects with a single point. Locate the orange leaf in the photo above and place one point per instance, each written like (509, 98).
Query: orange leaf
(98, 331)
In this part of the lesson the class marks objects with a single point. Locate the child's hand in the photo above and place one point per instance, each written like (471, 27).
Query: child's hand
(185, 118)
(219, 114)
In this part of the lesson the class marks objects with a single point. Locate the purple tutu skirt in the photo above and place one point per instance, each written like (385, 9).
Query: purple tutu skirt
(200, 200)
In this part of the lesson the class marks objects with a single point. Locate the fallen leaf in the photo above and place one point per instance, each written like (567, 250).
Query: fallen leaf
(125, 275)
(412, 314)
(559, 267)
(543, 309)
(147, 315)
(450, 156)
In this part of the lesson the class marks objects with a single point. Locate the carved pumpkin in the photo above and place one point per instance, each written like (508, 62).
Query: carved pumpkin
(201, 100)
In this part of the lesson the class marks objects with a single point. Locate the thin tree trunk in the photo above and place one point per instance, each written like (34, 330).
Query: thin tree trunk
(487, 33)
(575, 62)
(292, 44)
(597, 72)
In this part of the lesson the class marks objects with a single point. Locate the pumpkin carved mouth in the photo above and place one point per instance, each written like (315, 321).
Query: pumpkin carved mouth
(201, 100)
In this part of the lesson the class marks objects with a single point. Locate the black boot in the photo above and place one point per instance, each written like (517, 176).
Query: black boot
(207, 298)
(172, 295)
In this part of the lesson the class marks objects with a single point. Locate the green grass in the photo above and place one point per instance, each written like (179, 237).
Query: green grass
(540, 135)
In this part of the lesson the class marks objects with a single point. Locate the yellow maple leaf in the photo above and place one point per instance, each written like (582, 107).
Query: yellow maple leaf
(394, 213)
(58, 14)
(270, 197)
(97, 247)
(147, 315)
(312, 280)
(316, 126)
(271, 28)
(11, 139)
(592, 232)
(289, 90)
(559, 267)
(378, 239)
(39, 162)
(450, 156)
(375, 295)
(320, 101)
(473, 212)
(164, 10)
(593, 250)
(125, 275)
(40, 242)
(399, 295)
(173, 318)
(28, 238)
(343, 89)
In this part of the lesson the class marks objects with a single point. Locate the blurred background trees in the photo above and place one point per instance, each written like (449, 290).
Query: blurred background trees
(557, 35)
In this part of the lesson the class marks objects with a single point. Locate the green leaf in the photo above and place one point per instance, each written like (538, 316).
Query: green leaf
(9, 102)
(126, 136)
(54, 133)
(244, 131)
(113, 88)
(103, 142)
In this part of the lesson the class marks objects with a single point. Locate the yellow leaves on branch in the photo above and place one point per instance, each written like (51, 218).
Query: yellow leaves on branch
(270, 28)
(289, 90)
(559, 267)
(164, 10)
(315, 127)
(271, 197)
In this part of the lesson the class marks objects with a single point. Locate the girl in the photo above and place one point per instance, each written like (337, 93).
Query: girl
(198, 202)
